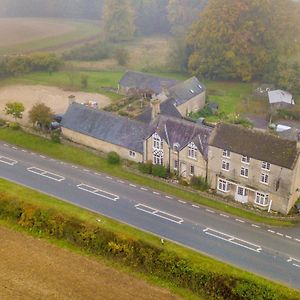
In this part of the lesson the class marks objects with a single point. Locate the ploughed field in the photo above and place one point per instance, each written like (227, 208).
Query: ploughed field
(23, 35)
(35, 269)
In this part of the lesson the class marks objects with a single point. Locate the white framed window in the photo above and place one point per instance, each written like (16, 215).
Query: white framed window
(158, 158)
(264, 178)
(157, 141)
(192, 151)
(244, 172)
(262, 199)
(225, 165)
(245, 159)
(242, 191)
(226, 153)
(222, 185)
(176, 164)
(132, 154)
(192, 169)
(266, 166)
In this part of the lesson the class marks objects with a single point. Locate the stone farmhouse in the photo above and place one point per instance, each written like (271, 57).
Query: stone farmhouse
(255, 167)
(243, 164)
(187, 96)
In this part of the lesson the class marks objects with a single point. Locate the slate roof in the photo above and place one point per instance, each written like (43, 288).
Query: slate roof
(186, 90)
(105, 126)
(144, 81)
(167, 108)
(279, 96)
(255, 144)
(178, 131)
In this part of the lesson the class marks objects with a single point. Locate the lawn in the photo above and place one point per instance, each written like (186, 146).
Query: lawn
(45, 202)
(90, 160)
(22, 35)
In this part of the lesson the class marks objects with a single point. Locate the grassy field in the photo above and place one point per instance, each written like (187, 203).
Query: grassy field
(90, 160)
(22, 35)
(8, 189)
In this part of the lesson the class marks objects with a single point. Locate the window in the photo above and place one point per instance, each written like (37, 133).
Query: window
(262, 199)
(158, 158)
(132, 154)
(245, 159)
(225, 165)
(192, 170)
(157, 141)
(176, 164)
(266, 166)
(192, 151)
(192, 91)
(176, 147)
(226, 153)
(222, 185)
(242, 191)
(264, 178)
(244, 172)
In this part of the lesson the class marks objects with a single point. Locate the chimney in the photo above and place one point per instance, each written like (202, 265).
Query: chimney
(155, 104)
(72, 99)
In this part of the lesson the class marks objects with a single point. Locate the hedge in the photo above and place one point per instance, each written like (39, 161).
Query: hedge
(136, 253)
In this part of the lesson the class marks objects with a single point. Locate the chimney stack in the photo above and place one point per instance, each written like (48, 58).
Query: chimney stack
(155, 104)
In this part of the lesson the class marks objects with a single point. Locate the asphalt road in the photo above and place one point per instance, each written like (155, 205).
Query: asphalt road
(271, 252)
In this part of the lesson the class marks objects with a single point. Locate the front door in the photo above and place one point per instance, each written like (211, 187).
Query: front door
(241, 194)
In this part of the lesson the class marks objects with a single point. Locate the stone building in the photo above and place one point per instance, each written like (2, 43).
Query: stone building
(254, 167)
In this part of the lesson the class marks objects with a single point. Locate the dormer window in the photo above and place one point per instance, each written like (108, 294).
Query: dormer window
(226, 153)
(245, 159)
(266, 166)
(157, 141)
(192, 151)
(200, 87)
(176, 147)
(192, 91)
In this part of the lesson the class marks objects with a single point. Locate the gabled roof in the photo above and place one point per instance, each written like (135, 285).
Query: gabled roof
(105, 126)
(181, 132)
(186, 90)
(255, 144)
(146, 82)
(167, 108)
(279, 96)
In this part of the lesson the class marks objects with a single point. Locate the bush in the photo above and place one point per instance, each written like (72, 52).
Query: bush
(145, 168)
(113, 158)
(14, 125)
(159, 171)
(199, 183)
(122, 56)
(2, 123)
(55, 136)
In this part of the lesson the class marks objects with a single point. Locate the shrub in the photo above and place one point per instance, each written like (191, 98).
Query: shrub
(113, 158)
(145, 168)
(199, 183)
(159, 171)
(122, 56)
(183, 181)
(55, 136)
(14, 125)
(2, 123)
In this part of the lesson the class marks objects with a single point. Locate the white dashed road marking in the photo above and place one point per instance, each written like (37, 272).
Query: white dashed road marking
(211, 211)
(241, 221)
(225, 216)
(46, 174)
(180, 201)
(254, 225)
(233, 240)
(159, 213)
(295, 262)
(8, 161)
(97, 192)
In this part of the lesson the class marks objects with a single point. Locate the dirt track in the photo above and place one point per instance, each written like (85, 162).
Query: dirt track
(53, 97)
(34, 269)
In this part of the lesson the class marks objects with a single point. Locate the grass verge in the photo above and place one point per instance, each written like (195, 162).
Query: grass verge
(90, 160)
(39, 213)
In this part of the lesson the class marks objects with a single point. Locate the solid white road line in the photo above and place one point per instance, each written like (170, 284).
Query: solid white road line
(97, 192)
(46, 174)
(233, 240)
(8, 161)
(159, 213)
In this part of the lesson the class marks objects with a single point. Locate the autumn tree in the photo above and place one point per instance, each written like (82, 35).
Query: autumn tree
(241, 39)
(182, 13)
(14, 109)
(118, 20)
(41, 114)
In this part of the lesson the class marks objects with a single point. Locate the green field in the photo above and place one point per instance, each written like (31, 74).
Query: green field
(44, 34)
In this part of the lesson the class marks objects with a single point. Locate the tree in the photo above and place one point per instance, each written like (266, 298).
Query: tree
(122, 56)
(41, 114)
(118, 20)
(15, 109)
(182, 13)
(241, 39)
